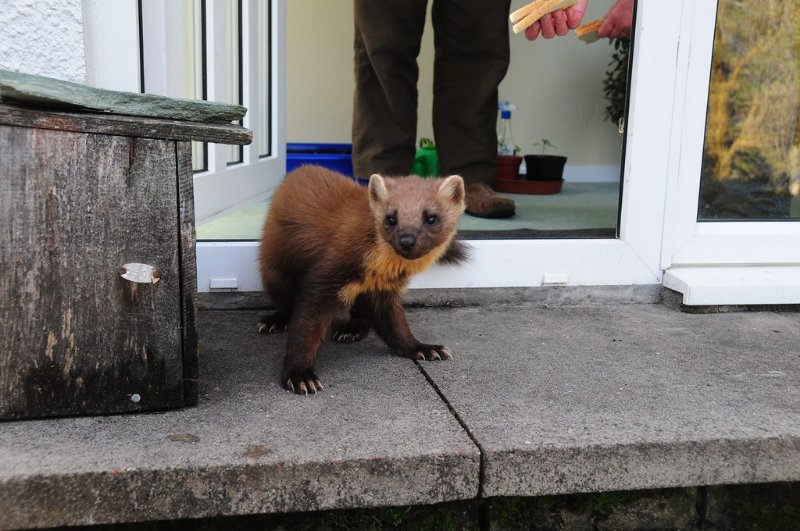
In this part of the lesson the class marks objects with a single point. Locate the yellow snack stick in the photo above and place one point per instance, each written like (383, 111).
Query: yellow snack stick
(527, 15)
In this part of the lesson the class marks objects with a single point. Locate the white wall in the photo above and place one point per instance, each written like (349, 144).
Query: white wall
(43, 37)
(556, 85)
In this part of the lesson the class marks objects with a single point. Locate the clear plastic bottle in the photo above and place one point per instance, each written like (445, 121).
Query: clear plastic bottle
(505, 139)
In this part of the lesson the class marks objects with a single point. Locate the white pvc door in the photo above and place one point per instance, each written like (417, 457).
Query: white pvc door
(239, 57)
(733, 235)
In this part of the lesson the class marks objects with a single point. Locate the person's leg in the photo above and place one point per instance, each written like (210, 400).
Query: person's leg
(387, 42)
(472, 57)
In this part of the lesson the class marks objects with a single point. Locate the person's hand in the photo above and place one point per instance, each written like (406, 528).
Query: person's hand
(559, 22)
(618, 21)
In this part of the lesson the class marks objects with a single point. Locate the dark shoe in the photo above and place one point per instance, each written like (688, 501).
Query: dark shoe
(483, 202)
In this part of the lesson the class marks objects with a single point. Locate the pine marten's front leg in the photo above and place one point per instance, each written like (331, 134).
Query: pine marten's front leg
(389, 320)
(309, 327)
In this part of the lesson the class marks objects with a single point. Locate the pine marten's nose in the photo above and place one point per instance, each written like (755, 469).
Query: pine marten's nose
(407, 242)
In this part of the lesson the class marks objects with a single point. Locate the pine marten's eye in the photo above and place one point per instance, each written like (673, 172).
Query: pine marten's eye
(391, 221)
(431, 219)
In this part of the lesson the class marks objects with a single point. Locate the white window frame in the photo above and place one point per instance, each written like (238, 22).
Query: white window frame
(112, 57)
(111, 44)
(222, 186)
(712, 263)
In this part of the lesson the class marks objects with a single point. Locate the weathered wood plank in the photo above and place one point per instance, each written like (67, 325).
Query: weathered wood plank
(191, 362)
(125, 126)
(75, 337)
(50, 93)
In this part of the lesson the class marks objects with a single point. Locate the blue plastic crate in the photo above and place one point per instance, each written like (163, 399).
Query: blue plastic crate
(337, 157)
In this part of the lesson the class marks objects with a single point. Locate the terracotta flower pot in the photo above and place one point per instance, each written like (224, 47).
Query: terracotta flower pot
(508, 166)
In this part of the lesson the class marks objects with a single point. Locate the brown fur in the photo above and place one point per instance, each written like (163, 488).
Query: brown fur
(328, 245)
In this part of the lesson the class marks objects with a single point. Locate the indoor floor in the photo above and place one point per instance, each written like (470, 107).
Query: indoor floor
(579, 210)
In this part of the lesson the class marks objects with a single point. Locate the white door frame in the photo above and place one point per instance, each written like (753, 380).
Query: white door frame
(658, 228)
(112, 57)
(633, 258)
(222, 186)
(713, 263)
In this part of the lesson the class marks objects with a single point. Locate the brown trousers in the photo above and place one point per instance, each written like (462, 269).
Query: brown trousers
(471, 58)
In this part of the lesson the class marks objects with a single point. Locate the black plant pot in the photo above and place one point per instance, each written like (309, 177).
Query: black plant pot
(545, 167)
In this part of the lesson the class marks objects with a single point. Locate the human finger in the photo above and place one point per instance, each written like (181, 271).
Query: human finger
(617, 23)
(575, 14)
(532, 31)
(560, 22)
(548, 28)
(605, 28)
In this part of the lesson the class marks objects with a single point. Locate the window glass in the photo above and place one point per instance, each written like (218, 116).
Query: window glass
(751, 158)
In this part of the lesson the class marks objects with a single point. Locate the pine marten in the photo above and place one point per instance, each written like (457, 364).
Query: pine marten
(330, 244)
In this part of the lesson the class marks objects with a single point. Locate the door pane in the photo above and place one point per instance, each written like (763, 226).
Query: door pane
(233, 67)
(568, 98)
(751, 159)
(195, 65)
(264, 80)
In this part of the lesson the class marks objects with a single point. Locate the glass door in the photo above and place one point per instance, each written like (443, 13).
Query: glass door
(227, 51)
(709, 179)
(628, 254)
(751, 158)
(737, 241)
(625, 252)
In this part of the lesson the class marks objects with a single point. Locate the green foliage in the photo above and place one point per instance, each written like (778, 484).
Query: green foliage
(751, 157)
(545, 144)
(615, 84)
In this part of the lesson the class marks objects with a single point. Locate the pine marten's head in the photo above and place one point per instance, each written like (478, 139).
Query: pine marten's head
(414, 215)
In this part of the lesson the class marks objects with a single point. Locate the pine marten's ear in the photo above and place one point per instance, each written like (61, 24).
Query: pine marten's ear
(452, 188)
(377, 189)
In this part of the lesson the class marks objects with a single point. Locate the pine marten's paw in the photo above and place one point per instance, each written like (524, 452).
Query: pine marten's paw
(274, 323)
(301, 381)
(428, 352)
(351, 331)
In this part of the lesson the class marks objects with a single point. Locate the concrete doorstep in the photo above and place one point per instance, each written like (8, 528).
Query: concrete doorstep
(537, 401)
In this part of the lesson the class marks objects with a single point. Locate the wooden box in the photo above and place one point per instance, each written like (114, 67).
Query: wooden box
(97, 262)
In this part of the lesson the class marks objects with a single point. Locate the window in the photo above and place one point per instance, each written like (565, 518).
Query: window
(751, 159)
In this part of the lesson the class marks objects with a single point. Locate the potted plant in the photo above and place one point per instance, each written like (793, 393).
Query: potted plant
(508, 165)
(615, 84)
(544, 167)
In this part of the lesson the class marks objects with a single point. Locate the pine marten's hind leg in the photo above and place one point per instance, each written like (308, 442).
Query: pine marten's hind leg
(357, 328)
(275, 322)
(281, 289)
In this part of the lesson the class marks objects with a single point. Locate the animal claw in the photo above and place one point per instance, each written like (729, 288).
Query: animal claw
(303, 382)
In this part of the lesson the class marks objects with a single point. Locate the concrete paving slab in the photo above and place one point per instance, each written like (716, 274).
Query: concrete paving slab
(378, 435)
(568, 400)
